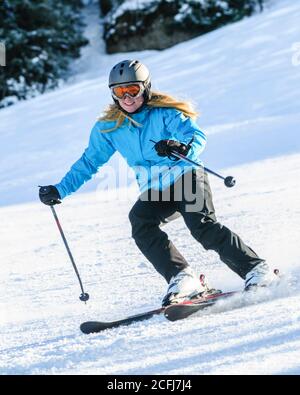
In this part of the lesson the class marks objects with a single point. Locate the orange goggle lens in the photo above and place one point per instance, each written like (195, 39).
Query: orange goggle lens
(131, 90)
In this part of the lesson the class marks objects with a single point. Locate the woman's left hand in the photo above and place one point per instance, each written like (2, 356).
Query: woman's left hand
(165, 147)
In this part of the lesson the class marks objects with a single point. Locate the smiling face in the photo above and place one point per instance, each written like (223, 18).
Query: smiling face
(131, 104)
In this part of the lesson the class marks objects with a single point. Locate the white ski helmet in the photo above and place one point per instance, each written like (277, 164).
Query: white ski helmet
(130, 71)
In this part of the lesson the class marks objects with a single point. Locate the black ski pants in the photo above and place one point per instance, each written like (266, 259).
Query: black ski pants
(191, 197)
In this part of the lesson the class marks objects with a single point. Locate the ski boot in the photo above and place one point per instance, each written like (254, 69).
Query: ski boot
(186, 286)
(261, 276)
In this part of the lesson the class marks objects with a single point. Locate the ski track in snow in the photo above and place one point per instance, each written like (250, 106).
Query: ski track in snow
(247, 92)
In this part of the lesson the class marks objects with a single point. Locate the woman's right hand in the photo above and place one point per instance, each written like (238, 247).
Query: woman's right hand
(49, 195)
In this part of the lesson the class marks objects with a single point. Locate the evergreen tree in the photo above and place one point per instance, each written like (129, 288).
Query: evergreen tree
(159, 24)
(41, 38)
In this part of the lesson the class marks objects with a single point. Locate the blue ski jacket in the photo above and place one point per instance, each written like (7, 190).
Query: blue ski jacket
(133, 143)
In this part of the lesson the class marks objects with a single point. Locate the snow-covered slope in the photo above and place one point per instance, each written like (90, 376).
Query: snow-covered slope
(246, 84)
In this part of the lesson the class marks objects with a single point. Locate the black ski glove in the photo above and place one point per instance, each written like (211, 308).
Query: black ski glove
(49, 195)
(164, 148)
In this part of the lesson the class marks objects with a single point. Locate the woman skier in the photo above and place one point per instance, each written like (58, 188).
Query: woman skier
(146, 127)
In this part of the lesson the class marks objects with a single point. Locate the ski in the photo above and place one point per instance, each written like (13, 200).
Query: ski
(183, 310)
(98, 326)
(172, 312)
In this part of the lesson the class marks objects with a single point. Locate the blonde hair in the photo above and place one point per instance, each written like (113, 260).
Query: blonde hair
(114, 114)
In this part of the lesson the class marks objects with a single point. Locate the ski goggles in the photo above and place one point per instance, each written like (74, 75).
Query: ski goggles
(133, 90)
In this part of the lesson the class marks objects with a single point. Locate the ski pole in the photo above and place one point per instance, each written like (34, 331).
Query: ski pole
(229, 181)
(84, 296)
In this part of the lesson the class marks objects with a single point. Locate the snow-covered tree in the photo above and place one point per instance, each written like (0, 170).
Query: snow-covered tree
(158, 24)
(41, 37)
